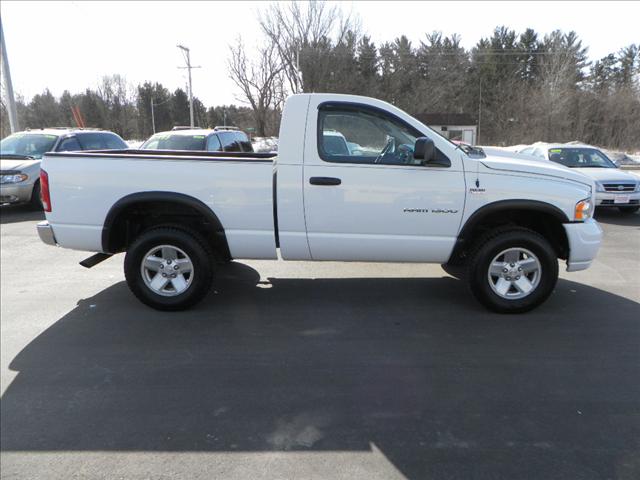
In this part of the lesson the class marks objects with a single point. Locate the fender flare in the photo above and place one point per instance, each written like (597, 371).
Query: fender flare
(504, 205)
(127, 201)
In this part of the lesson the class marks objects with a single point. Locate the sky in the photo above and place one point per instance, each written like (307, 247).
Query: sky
(71, 45)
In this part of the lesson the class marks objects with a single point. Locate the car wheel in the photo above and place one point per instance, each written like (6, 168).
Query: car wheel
(36, 201)
(169, 268)
(629, 210)
(512, 270)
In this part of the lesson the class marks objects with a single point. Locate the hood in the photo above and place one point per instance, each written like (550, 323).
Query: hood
(604, 174)
(534, 167)
(16, 164)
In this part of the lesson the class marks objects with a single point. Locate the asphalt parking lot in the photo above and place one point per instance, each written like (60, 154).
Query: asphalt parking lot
(316, 371)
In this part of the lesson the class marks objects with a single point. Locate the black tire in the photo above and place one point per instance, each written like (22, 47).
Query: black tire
(629, 210)
(188, 241)
(489, 246)
(36, 201)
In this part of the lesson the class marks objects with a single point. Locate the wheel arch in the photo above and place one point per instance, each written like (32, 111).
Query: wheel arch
(543, 217)
(157, 208)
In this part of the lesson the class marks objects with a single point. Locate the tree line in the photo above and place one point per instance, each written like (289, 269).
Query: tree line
(521, 87)
(120, 107)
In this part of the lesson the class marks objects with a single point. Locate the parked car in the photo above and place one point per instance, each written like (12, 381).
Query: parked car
(614, 187)
(409, 196)
(219, 139)
(21, 152)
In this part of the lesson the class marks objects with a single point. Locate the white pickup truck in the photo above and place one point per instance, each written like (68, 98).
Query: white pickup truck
(355, 179)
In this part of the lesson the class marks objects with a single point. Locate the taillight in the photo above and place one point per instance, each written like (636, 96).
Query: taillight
(45, 196)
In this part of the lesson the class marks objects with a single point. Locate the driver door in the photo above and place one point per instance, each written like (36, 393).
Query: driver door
(366, 198)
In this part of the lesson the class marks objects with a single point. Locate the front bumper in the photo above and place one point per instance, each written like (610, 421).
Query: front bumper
(584, 242)
(15, 192)
(45, 232)
(613, 199)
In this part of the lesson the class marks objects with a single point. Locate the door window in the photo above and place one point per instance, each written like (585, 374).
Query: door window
(70, 144)
(242, 138)
(213, 144)
(230, 142)
(113, 142)
(352, 134)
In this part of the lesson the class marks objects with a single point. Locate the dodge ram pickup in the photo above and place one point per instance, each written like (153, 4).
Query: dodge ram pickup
(398, 193)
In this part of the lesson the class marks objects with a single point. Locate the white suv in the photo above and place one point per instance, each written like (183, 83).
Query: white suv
(614, 187)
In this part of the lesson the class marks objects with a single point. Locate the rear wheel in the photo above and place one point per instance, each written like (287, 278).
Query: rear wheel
(629, 210)
(168, 268)
(513, 271)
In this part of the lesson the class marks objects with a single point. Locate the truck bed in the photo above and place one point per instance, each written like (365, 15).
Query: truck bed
(237, 186)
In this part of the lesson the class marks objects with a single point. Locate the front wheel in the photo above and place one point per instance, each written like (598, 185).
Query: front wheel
(169, 268)
(629, 210)
(513, 271)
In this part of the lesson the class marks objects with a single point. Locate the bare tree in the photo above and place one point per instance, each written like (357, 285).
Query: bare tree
(260, 81)
(297, 29)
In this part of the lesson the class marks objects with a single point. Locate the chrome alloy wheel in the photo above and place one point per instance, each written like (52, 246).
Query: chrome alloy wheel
(167, 270)
(514, 273)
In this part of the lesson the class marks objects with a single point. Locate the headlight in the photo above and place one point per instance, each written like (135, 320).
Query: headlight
(583, 210)
(599, 187)
(637, 187)
(13, 178)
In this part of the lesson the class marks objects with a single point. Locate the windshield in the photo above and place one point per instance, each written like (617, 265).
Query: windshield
(167, 141)
(27, 144)
(580, 158)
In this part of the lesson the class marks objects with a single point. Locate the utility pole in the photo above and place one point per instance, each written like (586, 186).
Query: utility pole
(189, 67)
(153, 117)
(11, 101)
(479, 113)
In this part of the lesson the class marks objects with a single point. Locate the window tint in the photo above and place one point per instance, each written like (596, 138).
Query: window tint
(29, 144)
(99, 141)
(167, 141)
(70, 144)
(213, 144)
(354, 135)
(230, 142)
(244, 141)
(580, 157)
(113, 141)
(151, 144)
(91, 141)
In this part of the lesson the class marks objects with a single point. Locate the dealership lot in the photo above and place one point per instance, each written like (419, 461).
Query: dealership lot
(301, 370)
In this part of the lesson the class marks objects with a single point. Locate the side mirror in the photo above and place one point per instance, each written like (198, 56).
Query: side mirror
(424, 149)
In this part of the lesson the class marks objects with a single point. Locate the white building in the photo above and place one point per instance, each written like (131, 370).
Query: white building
(455, 126)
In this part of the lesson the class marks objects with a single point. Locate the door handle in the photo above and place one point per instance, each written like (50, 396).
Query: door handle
(324, 181)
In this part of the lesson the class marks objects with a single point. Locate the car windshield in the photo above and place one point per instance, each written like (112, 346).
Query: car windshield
(27, 144)
(168, 141)
(580, 158)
